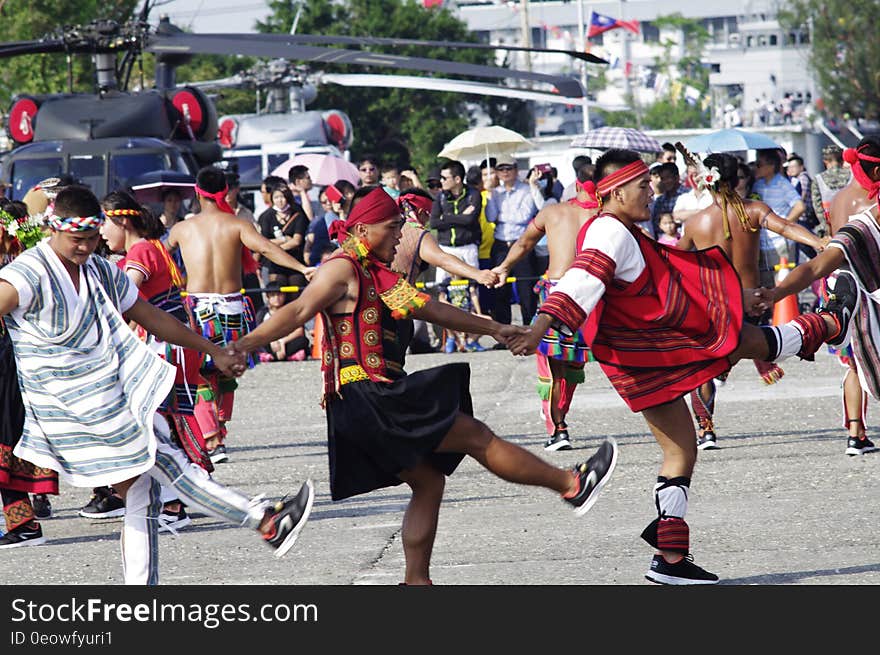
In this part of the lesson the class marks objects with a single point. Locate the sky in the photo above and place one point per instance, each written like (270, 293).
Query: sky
(212, 16)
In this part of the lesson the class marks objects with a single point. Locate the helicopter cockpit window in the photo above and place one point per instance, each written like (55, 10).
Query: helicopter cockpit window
(88, 169)
(129, 166)
(26, 173)
(250, 169)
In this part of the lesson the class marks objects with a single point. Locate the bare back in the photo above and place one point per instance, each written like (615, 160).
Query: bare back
(850, 200)
(210, 243)
(705, 229)
(561, 223)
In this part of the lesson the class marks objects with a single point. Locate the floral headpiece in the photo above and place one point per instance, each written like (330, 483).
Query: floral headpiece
(25, 232)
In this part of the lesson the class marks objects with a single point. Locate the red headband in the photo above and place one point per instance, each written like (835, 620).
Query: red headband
(375, 207)
(219, 198)
(589, 188)
(620, 177)
(417, 201)
(852, 156)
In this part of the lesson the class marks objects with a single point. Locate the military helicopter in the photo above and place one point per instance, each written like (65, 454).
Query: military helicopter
(256, 143)
(111, 137)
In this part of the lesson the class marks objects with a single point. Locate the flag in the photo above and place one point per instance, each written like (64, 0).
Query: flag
(600, 23)
(427, 4)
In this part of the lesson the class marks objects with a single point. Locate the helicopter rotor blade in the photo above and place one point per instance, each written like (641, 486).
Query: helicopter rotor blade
(441, 84)
(258, 46)
(16, 48)
(373, 40)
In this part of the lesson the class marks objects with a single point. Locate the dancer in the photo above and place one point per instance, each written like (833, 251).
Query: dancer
(385, 427)
(135, 231)
(560, 359)
(214, 278)
(18, 477)
(662, 321)
(734, 225)
(91, 389)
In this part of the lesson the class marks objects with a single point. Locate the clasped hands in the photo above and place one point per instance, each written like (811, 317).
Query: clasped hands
(231, 361)
(519, 339)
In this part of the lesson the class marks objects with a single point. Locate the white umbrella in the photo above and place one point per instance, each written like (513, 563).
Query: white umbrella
(480, 141)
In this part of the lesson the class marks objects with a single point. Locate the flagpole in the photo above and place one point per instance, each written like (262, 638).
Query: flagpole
(585, 109)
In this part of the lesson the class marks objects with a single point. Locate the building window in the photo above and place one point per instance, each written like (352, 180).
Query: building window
(650, 32)
(750, 41)
(773, 39)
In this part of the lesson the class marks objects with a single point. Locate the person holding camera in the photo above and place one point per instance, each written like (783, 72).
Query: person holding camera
(456, 217)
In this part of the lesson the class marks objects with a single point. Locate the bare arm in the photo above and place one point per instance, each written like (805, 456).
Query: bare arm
(329, 285)
(258, 244)
(804, 275)
(430, 252)
(169, 329)
(8, 297)
(453, 318)
(523, 246)
(791, 231)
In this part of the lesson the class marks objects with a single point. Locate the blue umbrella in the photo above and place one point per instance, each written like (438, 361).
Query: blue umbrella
(730, 140)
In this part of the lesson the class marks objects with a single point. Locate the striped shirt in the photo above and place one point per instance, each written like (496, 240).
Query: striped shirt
(89, 386)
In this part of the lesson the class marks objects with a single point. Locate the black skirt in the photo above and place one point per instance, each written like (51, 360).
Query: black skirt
(11, 407)
(376, 430)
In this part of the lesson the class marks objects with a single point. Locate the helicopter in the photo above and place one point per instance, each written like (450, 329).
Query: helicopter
(109, 138)
(254, 144)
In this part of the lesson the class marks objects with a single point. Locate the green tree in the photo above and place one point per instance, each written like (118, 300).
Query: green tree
(47, 73)
(843, 55)
(385, 120)
(672, 110)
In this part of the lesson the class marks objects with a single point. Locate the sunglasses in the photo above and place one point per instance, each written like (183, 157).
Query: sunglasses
(367, 170)
(434, 185)
(504, 167)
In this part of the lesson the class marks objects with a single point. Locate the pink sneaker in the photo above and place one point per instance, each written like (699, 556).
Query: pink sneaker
(298, 356)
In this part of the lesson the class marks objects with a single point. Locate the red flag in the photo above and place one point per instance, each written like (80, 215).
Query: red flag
(427, 4)
(600, 23)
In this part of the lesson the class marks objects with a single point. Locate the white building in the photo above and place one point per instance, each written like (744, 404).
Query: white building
(752, 61)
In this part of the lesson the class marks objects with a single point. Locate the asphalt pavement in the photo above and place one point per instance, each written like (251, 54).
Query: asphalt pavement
(779, 503)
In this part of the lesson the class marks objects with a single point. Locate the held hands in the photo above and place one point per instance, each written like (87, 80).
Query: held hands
(506, 334)
(231, 361)
(757, 301)
(488, 278)
(309, 272)
(525, 342)
(501, 273)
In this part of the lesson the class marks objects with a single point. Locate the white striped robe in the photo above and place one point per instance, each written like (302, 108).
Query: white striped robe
(89, 386)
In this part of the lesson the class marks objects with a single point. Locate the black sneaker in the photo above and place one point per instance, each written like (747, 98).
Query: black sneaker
(843, 302)
(218, 455)
(707, 440)
(104, 504)
(173, 521)
(27, 534)
(593, 475)
(42, 507)
(559, 440)
(288, 519)
(856, 446)
(683, 572)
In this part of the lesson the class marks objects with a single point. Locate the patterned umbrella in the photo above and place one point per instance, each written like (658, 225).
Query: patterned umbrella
(626, 138)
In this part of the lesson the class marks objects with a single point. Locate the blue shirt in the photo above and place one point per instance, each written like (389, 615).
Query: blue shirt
(510, 210)
(780, 196)
(319, 228)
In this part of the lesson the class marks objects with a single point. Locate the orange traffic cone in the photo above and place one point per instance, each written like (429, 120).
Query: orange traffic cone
(317, 337)
(787, 308)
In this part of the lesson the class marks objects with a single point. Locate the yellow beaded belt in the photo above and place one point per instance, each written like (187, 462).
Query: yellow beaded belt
(353, 373)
